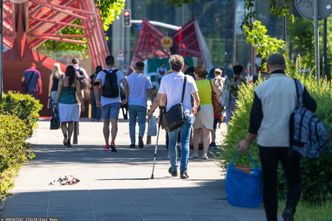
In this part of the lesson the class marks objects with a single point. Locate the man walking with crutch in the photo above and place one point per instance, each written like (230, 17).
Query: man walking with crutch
(175, 89)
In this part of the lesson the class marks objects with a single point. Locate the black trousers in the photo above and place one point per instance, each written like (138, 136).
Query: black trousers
(270, 157)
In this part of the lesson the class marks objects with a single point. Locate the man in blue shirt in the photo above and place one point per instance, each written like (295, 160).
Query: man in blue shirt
(32, 81)
(139, 87)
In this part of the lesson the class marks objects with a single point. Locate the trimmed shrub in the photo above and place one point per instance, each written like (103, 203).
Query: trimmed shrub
(23, 106)
(13, 150)
(316, 173)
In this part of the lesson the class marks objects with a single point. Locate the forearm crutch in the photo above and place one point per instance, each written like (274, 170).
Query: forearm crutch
(156, 147)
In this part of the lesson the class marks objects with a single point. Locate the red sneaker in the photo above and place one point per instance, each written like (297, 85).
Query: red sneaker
(106, 147)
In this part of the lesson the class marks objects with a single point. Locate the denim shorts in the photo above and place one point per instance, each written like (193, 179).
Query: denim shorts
(110, 111)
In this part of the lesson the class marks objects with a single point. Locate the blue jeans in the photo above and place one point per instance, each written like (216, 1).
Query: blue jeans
(95, 111)
(185, 131)
(136, 112)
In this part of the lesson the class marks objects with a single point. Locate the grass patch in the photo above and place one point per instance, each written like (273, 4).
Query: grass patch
(309, 212)
(306, 212)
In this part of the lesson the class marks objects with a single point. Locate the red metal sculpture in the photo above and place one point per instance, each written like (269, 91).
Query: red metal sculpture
(29, 23)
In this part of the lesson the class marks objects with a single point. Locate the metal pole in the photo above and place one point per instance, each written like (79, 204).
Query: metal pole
(316, 40)
(324, 66)
(234, 35)
(1, 49)
(225, 44)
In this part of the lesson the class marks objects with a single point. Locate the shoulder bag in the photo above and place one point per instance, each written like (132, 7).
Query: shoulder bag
(217, 108)
(174, 117)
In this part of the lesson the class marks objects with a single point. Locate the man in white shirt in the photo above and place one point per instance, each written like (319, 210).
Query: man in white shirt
(170, 92)
(139, 87)
(110, 100)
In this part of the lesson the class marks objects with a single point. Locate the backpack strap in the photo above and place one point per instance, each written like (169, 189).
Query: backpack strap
(32, 74)
(183, 88)
(27, 84)
(299, 92)
(110, 72)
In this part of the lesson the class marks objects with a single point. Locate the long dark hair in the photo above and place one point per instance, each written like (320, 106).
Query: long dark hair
(71, 73)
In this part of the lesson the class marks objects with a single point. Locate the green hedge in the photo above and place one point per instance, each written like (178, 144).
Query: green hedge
(18, 117)
(316, 173)
(23, 106)
(13, 150)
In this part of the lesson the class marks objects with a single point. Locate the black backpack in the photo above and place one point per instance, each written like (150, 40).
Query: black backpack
(110, 88)
(308, 134)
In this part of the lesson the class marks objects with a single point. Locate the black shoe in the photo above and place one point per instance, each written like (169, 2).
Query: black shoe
(113, 148)
(200, 146)
(173, 172)
(69, 144)
(287, 214)
(65, 141)
(213, 145)
(140, 142)
(132, 146)
(184, 175)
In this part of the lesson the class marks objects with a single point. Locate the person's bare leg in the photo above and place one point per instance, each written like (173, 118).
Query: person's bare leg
(206, 141)
(114, 130)
(64, 132)
(213, 135)
(106, 131)
(196, 140)
(70, 130)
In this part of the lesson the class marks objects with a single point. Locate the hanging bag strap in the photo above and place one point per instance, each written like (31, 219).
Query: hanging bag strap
(212, 93)
(299, 93)
(32, 74)
(183, 88)
(26, 85)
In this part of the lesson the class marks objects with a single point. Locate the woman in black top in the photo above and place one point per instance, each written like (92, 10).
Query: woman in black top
(95, 111)
(55, 76)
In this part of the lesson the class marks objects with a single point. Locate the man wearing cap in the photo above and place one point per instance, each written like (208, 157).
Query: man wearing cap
(274, 101)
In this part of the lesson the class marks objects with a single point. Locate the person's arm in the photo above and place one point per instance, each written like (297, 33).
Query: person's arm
(96, 88)
(196, 102)
(256, 117)
(50, 85)
(79, 94)
(125, 90)
(23, 79)
(162, 100)
(308, 101)
(154, 106)
(58, 93)
(40, 84)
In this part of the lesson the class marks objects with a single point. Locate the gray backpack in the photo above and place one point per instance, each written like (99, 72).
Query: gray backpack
(308, 134)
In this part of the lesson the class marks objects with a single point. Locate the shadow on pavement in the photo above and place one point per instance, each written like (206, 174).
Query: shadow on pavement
(190, 203)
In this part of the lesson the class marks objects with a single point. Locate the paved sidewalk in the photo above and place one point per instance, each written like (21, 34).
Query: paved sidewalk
(117, 186)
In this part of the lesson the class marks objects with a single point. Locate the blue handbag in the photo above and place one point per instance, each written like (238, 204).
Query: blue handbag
(244, 188)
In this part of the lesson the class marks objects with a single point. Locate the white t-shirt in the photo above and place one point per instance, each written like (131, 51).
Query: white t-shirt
(101, 78)
(172, 84)
(138, 85)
